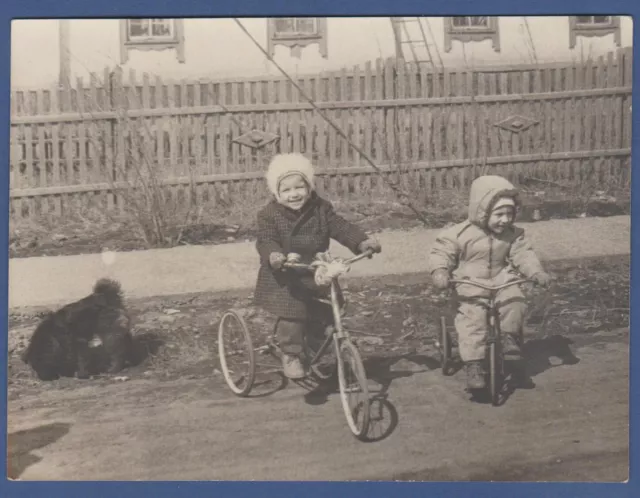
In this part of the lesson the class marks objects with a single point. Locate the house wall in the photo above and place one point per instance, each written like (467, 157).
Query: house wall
(217, 48)
(213, 48)
(549, 35)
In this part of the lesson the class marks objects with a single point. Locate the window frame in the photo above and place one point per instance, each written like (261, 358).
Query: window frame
(470, 33)
(297, 41)
(175, 41)
(151, 38)
(284, 35)
(594, 29)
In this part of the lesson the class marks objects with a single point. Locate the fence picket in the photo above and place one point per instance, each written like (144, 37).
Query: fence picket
(62, 137)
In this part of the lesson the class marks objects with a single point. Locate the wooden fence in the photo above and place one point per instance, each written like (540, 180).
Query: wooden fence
(429, 130)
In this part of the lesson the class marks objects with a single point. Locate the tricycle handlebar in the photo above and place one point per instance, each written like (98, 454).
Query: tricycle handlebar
(302, 266)
(489, 287)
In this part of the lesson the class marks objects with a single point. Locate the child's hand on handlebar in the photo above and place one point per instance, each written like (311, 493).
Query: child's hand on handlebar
(370, 245)
(542, 279)
(440, 278)
(277, 260)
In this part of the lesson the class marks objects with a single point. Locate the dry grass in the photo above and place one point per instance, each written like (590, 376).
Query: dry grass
(225, 214)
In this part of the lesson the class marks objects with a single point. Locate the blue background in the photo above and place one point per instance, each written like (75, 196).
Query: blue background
(16, 9)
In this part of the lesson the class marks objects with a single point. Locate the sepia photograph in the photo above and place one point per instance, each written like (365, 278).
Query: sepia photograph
(320, 249)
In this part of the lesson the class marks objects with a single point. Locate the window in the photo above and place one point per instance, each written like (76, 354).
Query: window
(151, 34)
(150, 30)
(470, 22)
(471, 29)
(593, 20)
(593, 26)
(297, 33)
(295, 27)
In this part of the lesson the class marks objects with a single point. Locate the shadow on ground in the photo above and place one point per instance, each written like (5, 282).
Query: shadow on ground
(539, 353)
(21, 444)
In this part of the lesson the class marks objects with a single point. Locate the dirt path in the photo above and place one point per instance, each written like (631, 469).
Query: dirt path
(572, 426)
(47, 281)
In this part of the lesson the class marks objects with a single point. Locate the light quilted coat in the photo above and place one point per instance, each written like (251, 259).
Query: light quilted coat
(469, 249)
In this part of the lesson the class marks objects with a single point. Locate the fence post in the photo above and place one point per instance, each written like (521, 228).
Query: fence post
(110, 144)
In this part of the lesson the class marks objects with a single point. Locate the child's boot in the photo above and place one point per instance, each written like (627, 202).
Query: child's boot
(510, 347)
(292, 367)
(475, 375)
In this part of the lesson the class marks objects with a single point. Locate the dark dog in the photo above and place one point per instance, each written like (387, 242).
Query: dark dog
(61, 343)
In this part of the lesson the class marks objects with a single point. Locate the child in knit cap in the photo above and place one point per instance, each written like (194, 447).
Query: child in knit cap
(297, 220)
(489, 248)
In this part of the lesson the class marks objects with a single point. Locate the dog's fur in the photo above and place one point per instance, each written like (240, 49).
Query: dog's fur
(60, 344)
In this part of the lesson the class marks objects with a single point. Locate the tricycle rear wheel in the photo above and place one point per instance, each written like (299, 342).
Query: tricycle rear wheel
(236, 354)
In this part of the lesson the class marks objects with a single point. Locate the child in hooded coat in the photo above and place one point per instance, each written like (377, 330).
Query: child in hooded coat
(487, 247)
(299, 221)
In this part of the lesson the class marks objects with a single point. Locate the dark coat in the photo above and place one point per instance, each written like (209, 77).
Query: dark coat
(287, 293)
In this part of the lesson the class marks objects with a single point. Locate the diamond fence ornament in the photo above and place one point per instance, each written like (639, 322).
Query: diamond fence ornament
(516, 123)
(256, 139)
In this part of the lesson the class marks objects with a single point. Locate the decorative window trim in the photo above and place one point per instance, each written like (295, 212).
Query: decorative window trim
(175, 42)
(471, 33)
(296, 42)
(601, 29)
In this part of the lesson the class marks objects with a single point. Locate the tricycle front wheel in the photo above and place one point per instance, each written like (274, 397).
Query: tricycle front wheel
(354, 391)
(446, 349)
(495, 373)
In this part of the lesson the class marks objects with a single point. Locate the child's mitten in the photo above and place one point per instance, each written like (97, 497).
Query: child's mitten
(276, 260)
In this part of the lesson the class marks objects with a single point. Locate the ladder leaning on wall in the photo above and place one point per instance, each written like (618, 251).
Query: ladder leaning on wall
(412, 43)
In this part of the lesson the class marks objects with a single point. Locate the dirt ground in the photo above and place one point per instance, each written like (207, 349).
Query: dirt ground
(185, 424)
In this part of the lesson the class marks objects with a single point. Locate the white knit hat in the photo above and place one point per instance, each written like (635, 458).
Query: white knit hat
(284, 165)
(503, 202)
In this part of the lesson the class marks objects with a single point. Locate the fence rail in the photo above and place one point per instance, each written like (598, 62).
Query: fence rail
(436, 129)
(322, 173)
(76, 117)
